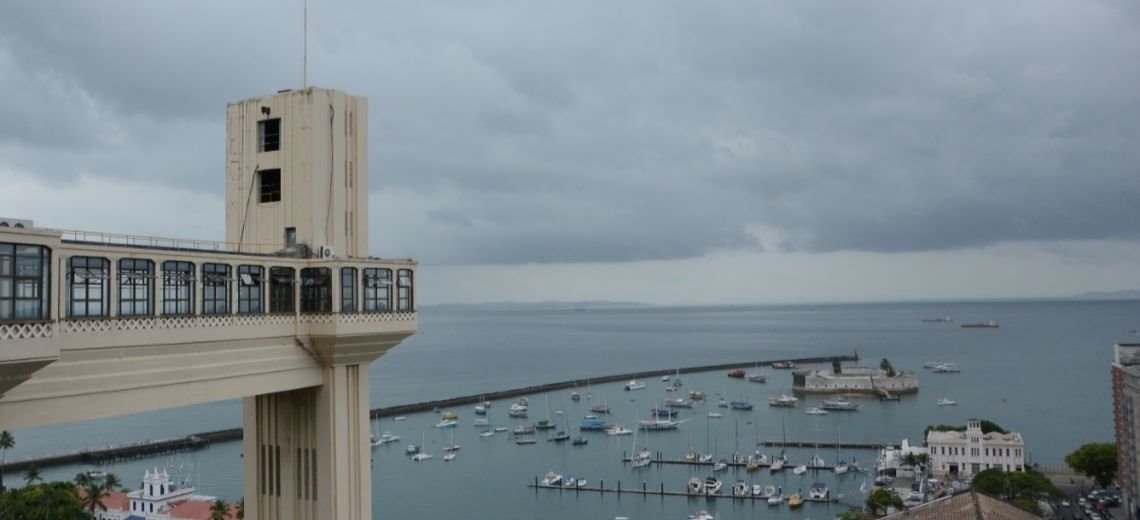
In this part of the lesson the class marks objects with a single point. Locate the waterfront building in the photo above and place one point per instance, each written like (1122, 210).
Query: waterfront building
(286, 313)
(892, 458)
(158, 499)
(965, 453)
(1125, 397)
(968, 505)
(854, 380)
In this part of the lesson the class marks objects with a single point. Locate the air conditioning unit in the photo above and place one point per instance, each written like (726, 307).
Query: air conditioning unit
(15, 223)
(326, 252)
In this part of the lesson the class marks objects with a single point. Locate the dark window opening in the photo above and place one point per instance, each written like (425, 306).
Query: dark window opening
(269, 135)
(136, 287)
(316, 289)
(269, 184)
(348, 289)
(377, 290)
(290, 236)
(215, 289)
(89, 293)
(24, 282)
(177, 288)
(249, 281)
(404, 291)
(281, 289)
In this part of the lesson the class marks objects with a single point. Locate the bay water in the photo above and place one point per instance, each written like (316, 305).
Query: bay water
(1043, 373)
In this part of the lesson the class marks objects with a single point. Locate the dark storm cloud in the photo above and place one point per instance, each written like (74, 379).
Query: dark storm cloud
(577, 132)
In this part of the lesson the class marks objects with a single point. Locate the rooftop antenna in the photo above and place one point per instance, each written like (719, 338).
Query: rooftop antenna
(305, 45)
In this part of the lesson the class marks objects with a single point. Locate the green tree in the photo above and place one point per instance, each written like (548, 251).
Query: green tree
(886, 366)
(1027, 485)
(33, 475)
(112, 482)
(1097, 460)
(988, 426)
(881, 499)
(92, 491)
(7, 442)
(219, 510)
(43, 501)
(853, 514)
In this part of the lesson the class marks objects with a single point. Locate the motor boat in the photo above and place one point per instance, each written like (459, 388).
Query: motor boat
(795, 501)
(575, 396)
(736, 373)
(385, 438)
(579, 441)
(841, 468)
(619, 430)
(551, 479)
(712, 486)
(777, 465)
(800, 470)
(480, 410)
(769, 491)
(412, 449)
(706, 458)
(481, 423)
(634, 385)
(948, 368)
(818, 491)
(677, 402)
(657, 424)
(448, 457)
(783, 400)
(600, 408)
(642, 459)
(715, 415)
(722, 403)
(487, 433)
(447, 423)
(702, 515)
(421, 456)
(695, 487)
(946, 401)
(740, 405)
(775, 499)
(560, 436)
(757, 490)
(569, 482)
(816, 411)
(696, 395)
(523, 430)
(721, 465)
(740, 489)
(839, 404)
(665, 378)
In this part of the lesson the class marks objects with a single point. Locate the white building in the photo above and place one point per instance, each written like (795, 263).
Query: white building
(158, 499)
(966, 453)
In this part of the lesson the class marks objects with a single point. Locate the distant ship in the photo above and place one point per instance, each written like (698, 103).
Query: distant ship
(946, 319)
(982, 325)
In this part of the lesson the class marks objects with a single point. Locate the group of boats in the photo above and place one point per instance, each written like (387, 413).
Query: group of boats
(552, 479)
(711, 486)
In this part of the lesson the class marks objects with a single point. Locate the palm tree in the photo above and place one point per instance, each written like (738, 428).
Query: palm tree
(219, 510)
(111, 482)
(7, 442)
(93, 495)
(33, 475)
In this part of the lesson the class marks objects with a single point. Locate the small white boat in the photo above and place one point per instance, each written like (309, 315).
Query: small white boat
(714, 415)
(818, 491)
(642, 459)
(696, 487)
(665, 378)
(385, 438)
(481, 423)
(708, 457)
(816, 462)
(757, 378)
(400, 418)
(841, 468)
(740, 489)
(931, 364)
(702, 515)
(551, 479)
(777, 465)
(946, 401)
(634, 385)
(581, 482)
(421, 456)
(800, 470)
(619, 430)
(412, 449)
(712, 486)
(816, 411)
(783, 400)
(721, 465)
(769, 491)
(948, 368)
(449, 457)
(558, 412)
(757, 490)
(775, 500)
(501, 429)
(569, 482)
(452, 447)
(487, 433)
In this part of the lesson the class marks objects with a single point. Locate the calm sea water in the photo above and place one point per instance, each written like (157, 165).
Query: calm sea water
(1044, 373)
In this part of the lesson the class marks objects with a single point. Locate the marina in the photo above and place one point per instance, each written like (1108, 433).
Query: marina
(660, 490)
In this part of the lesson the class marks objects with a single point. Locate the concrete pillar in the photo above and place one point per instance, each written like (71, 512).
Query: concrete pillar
(306, 451)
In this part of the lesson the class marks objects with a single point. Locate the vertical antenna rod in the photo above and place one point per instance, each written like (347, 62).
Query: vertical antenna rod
(305, 46)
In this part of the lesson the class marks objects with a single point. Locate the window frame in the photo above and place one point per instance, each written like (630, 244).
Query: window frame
(215, 276)
(277, 288)
(264, 143)
(377, 293)
(133, 274)
(178, 288)
(95, 287)
(271, 196)
(253, 293)
(38, 283)
(405, 301)
(316, 289)
(348, 290)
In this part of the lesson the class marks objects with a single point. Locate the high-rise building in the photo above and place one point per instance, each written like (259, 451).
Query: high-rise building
(1125, 394)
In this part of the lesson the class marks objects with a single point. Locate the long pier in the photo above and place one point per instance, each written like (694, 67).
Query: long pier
(154, 447)
(660, 490)
(827, 444)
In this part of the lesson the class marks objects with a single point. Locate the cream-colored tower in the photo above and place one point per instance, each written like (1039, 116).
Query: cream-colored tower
(297, 172)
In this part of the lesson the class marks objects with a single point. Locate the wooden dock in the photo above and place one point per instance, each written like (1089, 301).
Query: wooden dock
(660, 491)
(787, 467)
(832, 444)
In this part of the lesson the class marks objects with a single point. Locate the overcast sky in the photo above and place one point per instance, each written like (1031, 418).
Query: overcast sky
(661, 151)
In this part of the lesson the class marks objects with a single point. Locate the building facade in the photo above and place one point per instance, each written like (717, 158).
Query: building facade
(854, 380)
(1125, 396)
(286, 314)
(966, 453)
(159, 498)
